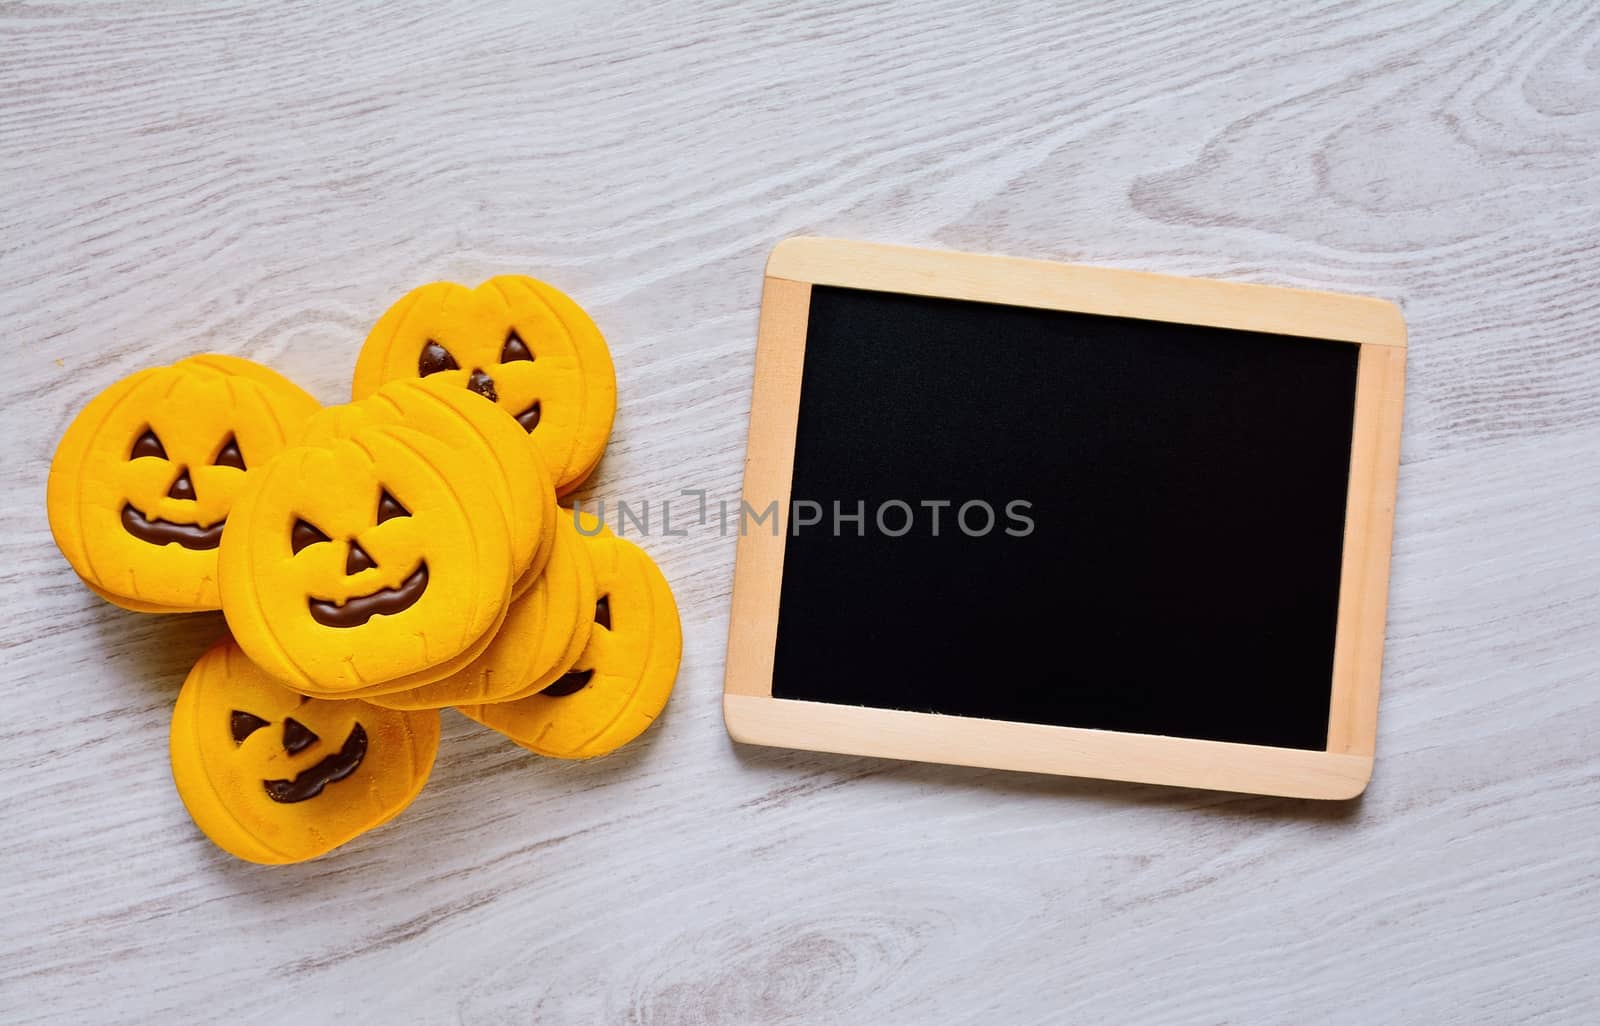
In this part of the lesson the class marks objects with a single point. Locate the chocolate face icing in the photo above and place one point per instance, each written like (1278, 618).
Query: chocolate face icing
(297, 737)
(569, 684)
(304, 534)
(242, 724)
(357, 560)
(435, 358)
(230, 456)
(529, 418)
(483, 384)
(165, 532)
(147, 444)
(310, 782)
(182, 488)
(515, 349)
(389, 507)
(384, 602)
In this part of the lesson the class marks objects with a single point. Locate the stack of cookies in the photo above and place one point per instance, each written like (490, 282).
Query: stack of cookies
(376, 561)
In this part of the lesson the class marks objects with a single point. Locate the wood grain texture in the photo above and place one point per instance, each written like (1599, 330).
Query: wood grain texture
(264, 180)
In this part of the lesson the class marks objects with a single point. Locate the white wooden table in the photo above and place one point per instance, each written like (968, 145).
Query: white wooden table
(265, 180)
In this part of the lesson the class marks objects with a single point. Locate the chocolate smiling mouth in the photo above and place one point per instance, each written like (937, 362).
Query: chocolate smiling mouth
(165, 532)
(309, 783)
(384, 602)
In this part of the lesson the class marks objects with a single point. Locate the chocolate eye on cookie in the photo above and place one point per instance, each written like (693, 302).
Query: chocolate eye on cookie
(516, 341)
(146, 475)
(271, 776)
(379, 560)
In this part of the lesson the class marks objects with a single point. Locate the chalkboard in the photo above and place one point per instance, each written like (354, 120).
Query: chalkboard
(1144, 526)
(1058, 512)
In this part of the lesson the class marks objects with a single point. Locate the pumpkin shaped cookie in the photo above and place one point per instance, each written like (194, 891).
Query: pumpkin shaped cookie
(146, 475)
(381, 559)
(544, 633)
(515, 340)
(479, 432)
(273, 777)
(623, 678)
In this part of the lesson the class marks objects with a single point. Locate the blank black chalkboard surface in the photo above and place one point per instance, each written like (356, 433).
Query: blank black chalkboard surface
(1066, 519)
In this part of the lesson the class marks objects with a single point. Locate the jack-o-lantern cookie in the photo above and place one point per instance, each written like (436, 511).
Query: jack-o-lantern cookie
(478, 431)
(271, 776)
(544, 634)
(146, 475)
(377, 560)
(621, 682)
(518, 341)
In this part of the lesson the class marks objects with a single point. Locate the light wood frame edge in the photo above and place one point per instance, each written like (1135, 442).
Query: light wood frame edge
(1038, 748)
(753, 716)
(1368, 537)
(768, 475)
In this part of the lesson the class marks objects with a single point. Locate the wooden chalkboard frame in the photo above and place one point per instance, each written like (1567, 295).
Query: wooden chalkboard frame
(753, 716)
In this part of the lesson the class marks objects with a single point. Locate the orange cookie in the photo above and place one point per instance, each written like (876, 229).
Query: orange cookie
(547, 540)
(513, 339)
(146, 475)
(621, 682)
(381, 559)
(272, 777)
(591, 528)
(478, 431)
(544, 633)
